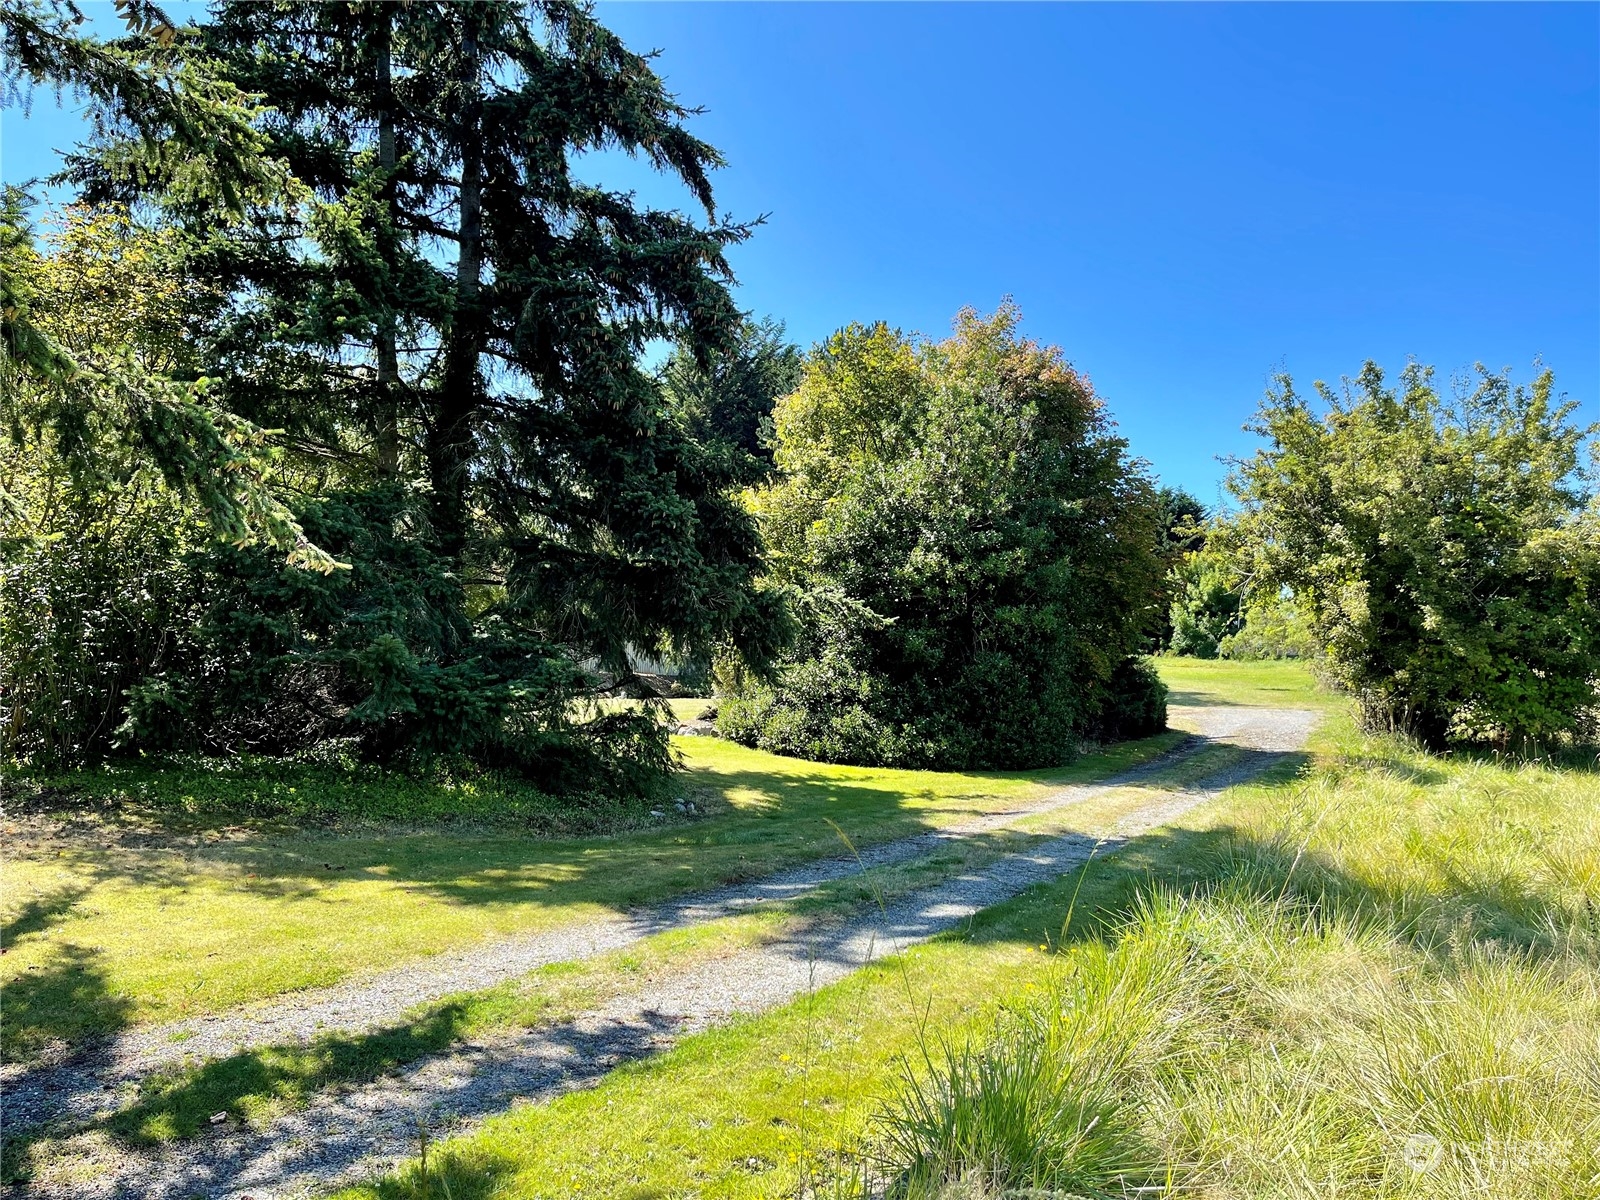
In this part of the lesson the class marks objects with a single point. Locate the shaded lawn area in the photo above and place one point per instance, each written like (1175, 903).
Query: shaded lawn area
(109, 924)
(1286, 994)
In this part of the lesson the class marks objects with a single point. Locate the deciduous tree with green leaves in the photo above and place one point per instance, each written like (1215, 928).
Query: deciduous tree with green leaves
(1206, 607)
(973, 552)
(92, 589)
(1183, 534)
(180, 125)
(1444, 549)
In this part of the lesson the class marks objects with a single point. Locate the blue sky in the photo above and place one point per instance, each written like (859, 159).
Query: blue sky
(1185, 198)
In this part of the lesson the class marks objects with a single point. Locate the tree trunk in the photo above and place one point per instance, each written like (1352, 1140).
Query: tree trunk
(450, 441)
(388, 357)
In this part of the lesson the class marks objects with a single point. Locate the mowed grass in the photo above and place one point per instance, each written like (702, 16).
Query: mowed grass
(1286, 684)
(1377, 975)
(258, 1084)
(680, 709)
(109, 923)
(254, 1087)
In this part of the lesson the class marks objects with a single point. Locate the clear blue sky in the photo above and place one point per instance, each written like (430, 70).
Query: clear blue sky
(1184, 197)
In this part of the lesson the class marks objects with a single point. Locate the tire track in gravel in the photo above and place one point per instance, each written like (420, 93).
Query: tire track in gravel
(342, 1137)
(90, 1083)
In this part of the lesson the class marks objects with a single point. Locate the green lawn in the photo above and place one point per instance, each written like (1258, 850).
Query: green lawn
(254, 1085)
(1376, 977)
(108, 925)
(681, 710)
(1368, 961)
(1221, 681)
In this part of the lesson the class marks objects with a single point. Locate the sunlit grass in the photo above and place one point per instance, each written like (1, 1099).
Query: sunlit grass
(257, 1085)
(680, 709)
(107, 926)
(1386, 982)
(1280, 684)
(1378, 978)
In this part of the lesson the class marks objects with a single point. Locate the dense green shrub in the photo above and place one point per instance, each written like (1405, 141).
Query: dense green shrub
(1205, 605)
(975, 557)
(1134, 703)
(329, 787)
(1210, 614)
(1183, 533)
(1272, 627)
(1445, 553)
(384, 655)
(133, 634)
(95, 596)
(89, 617)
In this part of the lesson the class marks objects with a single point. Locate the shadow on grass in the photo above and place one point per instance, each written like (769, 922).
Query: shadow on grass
(177, 1104)
(1430, 770)
(50, 1006)
(1569, 760)
(1188, 698)
(455, 1171)
(1435, 914)
(1437, 921)
(475, 866)
(503, 870)
(1255, 695)
(40, 913)
(1444, 903)
(256, 1086)
(1432, 913)
(1401, 770)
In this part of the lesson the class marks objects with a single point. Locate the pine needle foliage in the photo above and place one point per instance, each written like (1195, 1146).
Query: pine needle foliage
(442, 325)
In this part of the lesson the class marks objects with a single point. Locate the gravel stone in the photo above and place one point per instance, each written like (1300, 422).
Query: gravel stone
(345, 1136)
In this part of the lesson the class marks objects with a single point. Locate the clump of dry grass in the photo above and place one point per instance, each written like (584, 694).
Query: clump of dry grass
(1387, 985)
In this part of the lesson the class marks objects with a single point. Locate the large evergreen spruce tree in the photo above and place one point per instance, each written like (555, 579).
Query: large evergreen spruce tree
(447, 324)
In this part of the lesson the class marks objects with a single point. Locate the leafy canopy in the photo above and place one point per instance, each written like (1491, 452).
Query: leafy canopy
(91, 590)
(1205, 607)
(1443, 549)
(972, 550)
(83, 399)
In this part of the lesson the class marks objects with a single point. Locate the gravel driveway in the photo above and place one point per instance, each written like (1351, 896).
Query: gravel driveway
(348, 1135)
